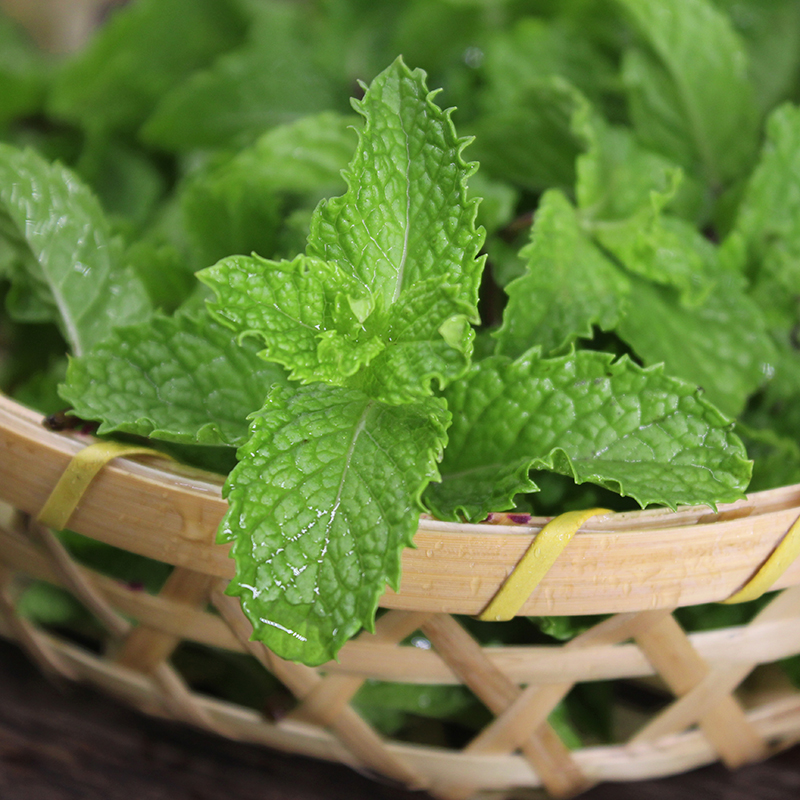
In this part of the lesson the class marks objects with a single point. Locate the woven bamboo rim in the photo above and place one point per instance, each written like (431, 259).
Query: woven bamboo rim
(637, 566)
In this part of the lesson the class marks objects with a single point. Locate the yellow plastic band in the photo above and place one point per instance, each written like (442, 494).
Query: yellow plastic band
(535, 564)
(778, 562)
(80, 472)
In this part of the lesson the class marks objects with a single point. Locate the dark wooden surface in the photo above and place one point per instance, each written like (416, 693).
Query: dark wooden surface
(75, 744)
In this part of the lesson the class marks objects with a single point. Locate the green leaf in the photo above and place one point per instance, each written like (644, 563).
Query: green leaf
(689, 93)
(569, 285)
(405, 216)
(617, 177)
(665, 250)
(181, 378)
(271, 80)
(635, 431)
(392, 268)
(236, 206)
(324, 498)
(770, 32)
(534, 50)
(143, 50)
(533, 143)
(721, 345)
(72, 264)
(303, 310)
(23, 70)
(769, 216)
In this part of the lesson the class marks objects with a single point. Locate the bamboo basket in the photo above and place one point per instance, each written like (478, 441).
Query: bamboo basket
(637, 566)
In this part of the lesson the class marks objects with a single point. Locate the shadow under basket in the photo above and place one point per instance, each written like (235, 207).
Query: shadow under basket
(637, 567)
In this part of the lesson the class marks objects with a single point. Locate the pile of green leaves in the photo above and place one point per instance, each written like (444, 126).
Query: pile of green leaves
(381, 327)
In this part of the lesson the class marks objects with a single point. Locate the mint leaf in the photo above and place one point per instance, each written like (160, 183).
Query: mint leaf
(68, 270)
(272, 79)
(301, 310)
(392, 265)
(617, 177)
(533, 142)
(237, 206)
(568, 287)
(721, 345)
(23, 69)
(665, 250)
(405, 216)
(689, 92)
(769, 216)
(324, 498)
(635, 431)
(770, 32)
(143, 50)
(181, 379)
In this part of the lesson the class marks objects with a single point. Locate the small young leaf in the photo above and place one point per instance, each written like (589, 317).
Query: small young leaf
(322, 502)
(69, 270)
(305, 311)
(632, 430)
(181, 379)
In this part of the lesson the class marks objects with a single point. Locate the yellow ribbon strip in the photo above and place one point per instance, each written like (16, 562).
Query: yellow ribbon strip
(80, 472)
(778, 562)
(535, 564)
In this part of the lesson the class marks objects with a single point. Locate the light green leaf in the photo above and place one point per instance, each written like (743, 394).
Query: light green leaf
(689, 92)
(72, 272)
(769, 216)
(635, 431)
(324, 498)
(181, 379)
(305, 311)
(428, 337)
(405, 216)
(721, 345)
(271, 80)
(143, 50)
(569, 285)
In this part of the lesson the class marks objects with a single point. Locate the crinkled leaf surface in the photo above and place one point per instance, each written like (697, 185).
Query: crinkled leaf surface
(300, 309)
(143, 50)
(392, 265)
(405, 216)
(689, 91)
(569, 285)
(324, 498)
(633, 430)
(721, 345)
(182, 379)
(69, 270)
